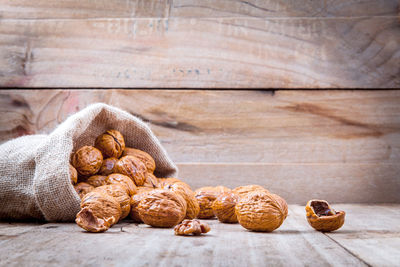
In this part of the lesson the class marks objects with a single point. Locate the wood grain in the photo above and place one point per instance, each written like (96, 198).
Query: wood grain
(61, 244)
(340, 145)
(205, 44)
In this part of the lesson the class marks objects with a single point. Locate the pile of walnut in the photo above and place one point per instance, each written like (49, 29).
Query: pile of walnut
(116, 181)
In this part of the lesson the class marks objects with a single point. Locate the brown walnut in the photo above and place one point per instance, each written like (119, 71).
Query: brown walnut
(117, 178)
(245, 189)
(83, 188)
(188, 195)
(143, 156)
(205, 197)
(132, 167)
(107, 167)
(191, 227)
(224, 207)
(322, 217)
(87, 160)
(99, 211)
(162, 182)
(135, 199)
(151, 181)
(120, 193)
(162, 208)
(73, 174)
(96, 180)
(111, 143)
(261, 211)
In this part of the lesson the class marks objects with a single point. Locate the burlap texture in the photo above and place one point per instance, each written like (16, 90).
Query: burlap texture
(34, 170)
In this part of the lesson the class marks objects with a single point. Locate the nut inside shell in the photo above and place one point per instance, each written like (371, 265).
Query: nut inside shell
(322, 217)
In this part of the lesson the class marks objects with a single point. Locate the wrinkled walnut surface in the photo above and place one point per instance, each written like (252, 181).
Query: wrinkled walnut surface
(322, 217)
(162, 208)
(96, 180)
(191, 227)
(120, 193)
(135, 199)
(224, 207)
(83, 188)
(261, 211)
(132, 167)
(205, 197)
(188, 195)
(117, 178)
(111, 143)
(245, 189)
(87, 160)
(151, 181)
(143, 156)
(107, 167)
(99, 211)
(73, 174)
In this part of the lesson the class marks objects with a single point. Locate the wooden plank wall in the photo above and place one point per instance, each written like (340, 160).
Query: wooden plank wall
(343, 146)
(200, 44)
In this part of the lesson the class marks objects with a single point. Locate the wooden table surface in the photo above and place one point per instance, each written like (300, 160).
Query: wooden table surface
(370, 237)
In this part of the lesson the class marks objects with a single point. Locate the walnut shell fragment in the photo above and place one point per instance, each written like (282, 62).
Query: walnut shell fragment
(224, 207)
(191, 227)
(161, 208)
(132, 167)
(143, 156)
(111, 143)
(99, 211)
(261, 211)
(322, 217)
(87, 160)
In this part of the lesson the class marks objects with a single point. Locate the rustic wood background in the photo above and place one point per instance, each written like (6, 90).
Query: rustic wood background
(343, 146)
(200, 43)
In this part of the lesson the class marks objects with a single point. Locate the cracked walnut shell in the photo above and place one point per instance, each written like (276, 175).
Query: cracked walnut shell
(111, 143)
(191, 227)
(143, 156)
(99, 211)
(87, 160)
(322, 217)
(261, 211)
(161, 208)
(132, 167)
(224, 207)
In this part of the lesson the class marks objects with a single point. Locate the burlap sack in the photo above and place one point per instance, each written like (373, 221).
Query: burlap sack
(34, 170)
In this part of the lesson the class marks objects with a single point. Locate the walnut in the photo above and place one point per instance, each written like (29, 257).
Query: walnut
(96, 180)
(120, 193)
(151, 181)
(132, 167)
(107, 167)
(161, 208)
(135, 199)
(191, 227)
(117, 178)
(188, 195)
(73, 174)
(83, 188)
(111, 143)
(143, 156)
(224, 207)
(99, 211)
(205, 197)
(165, 181)
(322, 217)
(243, 190)
(87, 160)
(261, 211)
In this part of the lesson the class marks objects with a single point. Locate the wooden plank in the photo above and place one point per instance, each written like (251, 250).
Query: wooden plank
(74, 9)
(340, 145)
(349, 52)
(371, 233)
(138, 245)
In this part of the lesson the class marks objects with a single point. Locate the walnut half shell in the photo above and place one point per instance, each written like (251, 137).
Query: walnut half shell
(322, 217)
